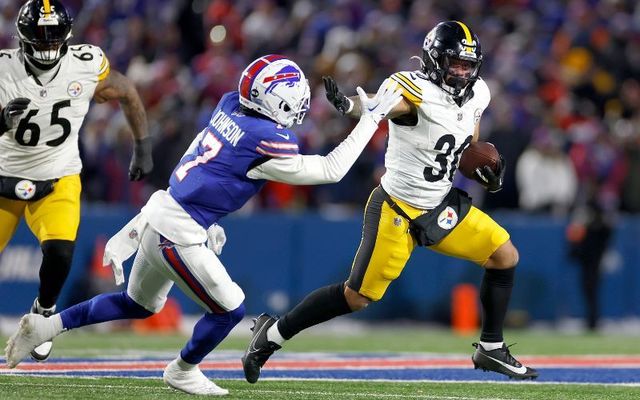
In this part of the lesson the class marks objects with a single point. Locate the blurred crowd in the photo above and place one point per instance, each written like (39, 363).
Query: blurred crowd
(564, 77)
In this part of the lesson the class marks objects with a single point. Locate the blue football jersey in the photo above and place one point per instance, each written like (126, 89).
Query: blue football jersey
(210, 181)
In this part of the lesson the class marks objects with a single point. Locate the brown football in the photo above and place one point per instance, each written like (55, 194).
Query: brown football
(477, 155)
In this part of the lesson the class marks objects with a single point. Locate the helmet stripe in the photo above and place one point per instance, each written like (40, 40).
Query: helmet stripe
(253, 70)
(467, 35)
(47, 6)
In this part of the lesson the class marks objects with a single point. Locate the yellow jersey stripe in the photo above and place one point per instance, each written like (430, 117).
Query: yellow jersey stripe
(104, 74)
(409, 94)
(408, 82)
(104, 63)
(47, 7)
(407, 87)
(467, 35)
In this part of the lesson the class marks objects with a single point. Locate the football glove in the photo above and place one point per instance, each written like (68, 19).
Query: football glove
(11, 112)
(378, 106)
(141, 161)
(217, 238)
(492, 181)
(341, 102)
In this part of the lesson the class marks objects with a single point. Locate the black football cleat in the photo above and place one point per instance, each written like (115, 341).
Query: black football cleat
(42, 352)
(501, 361)
(260, 349)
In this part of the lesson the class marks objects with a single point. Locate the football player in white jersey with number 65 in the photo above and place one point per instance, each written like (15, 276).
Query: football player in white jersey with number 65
(415, 204)
(46, 86)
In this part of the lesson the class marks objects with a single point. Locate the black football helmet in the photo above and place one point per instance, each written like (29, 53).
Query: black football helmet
(44, 30)
(451, 58)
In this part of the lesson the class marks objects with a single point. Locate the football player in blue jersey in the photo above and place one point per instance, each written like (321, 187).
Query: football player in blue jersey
(176, 235)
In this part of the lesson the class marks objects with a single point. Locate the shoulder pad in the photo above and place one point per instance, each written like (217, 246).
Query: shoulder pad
(408, 82)
(90, 58)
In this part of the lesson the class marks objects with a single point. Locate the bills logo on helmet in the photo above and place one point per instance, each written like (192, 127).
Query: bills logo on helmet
(289, 75)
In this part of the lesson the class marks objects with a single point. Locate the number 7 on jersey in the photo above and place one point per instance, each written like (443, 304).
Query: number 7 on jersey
(212, 146)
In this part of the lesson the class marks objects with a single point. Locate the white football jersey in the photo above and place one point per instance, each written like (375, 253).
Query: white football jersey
(43, 144)
(421, 160)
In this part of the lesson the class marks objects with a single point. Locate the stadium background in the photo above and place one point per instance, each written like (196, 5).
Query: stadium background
(565, 91)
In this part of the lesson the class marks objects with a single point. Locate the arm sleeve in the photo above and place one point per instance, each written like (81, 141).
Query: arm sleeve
(315, 169)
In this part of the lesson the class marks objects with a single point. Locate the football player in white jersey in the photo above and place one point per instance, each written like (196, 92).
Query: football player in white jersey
(46, 86)
(415, 204)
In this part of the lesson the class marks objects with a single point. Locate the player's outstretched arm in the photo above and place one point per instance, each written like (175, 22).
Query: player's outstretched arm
(118, 87)
(315, 169)
(352, 106)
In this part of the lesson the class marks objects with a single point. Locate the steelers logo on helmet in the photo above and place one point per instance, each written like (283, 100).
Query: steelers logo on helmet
(44, 30)
(25, 189)
(451, 58)
(275, 87)
(448, 218)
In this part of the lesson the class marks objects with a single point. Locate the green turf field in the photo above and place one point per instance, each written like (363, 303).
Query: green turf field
(84, 343)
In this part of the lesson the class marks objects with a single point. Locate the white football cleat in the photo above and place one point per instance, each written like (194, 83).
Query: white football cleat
(34, 330)
(192, 381)
(41, 353)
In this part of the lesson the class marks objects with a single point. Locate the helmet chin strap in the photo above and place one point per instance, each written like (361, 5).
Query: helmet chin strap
(420, 60)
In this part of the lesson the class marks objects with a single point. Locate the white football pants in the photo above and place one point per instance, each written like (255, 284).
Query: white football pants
(195, 269)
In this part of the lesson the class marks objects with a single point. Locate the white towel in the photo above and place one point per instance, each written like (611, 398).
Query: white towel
(122, 246)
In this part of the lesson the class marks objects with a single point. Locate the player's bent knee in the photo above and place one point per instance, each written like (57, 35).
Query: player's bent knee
(229, 295)
(152, 304)
(136, 310)
(58, 251)
(355, 300)
(237, 314)
(506, 256)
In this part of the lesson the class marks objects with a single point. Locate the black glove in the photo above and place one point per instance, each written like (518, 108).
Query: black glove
(492, 181)
(13, 109)
(335, 96)
(141, 162)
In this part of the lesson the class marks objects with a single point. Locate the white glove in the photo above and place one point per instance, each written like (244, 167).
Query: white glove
(388, 96)
(217, 238)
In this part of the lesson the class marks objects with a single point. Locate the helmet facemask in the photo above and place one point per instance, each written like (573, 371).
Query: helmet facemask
(279, 90)
(451, 59)
(458, 73)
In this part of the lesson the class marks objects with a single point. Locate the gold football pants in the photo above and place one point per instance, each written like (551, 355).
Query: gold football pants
(386, 243)
(56, 216)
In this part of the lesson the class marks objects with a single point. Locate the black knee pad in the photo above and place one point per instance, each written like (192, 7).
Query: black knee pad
(59, 252)
(56, 263)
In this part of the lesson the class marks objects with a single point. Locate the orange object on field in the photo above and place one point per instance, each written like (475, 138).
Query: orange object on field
(464, 309)
(97, 270)
(166, 321)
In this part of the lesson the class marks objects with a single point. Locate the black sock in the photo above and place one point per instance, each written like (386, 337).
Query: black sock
(495, 292)
(320, 305)
(56, 263)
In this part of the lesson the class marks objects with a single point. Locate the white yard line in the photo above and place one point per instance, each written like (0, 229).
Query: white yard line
(499, 382)
(312, 394)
